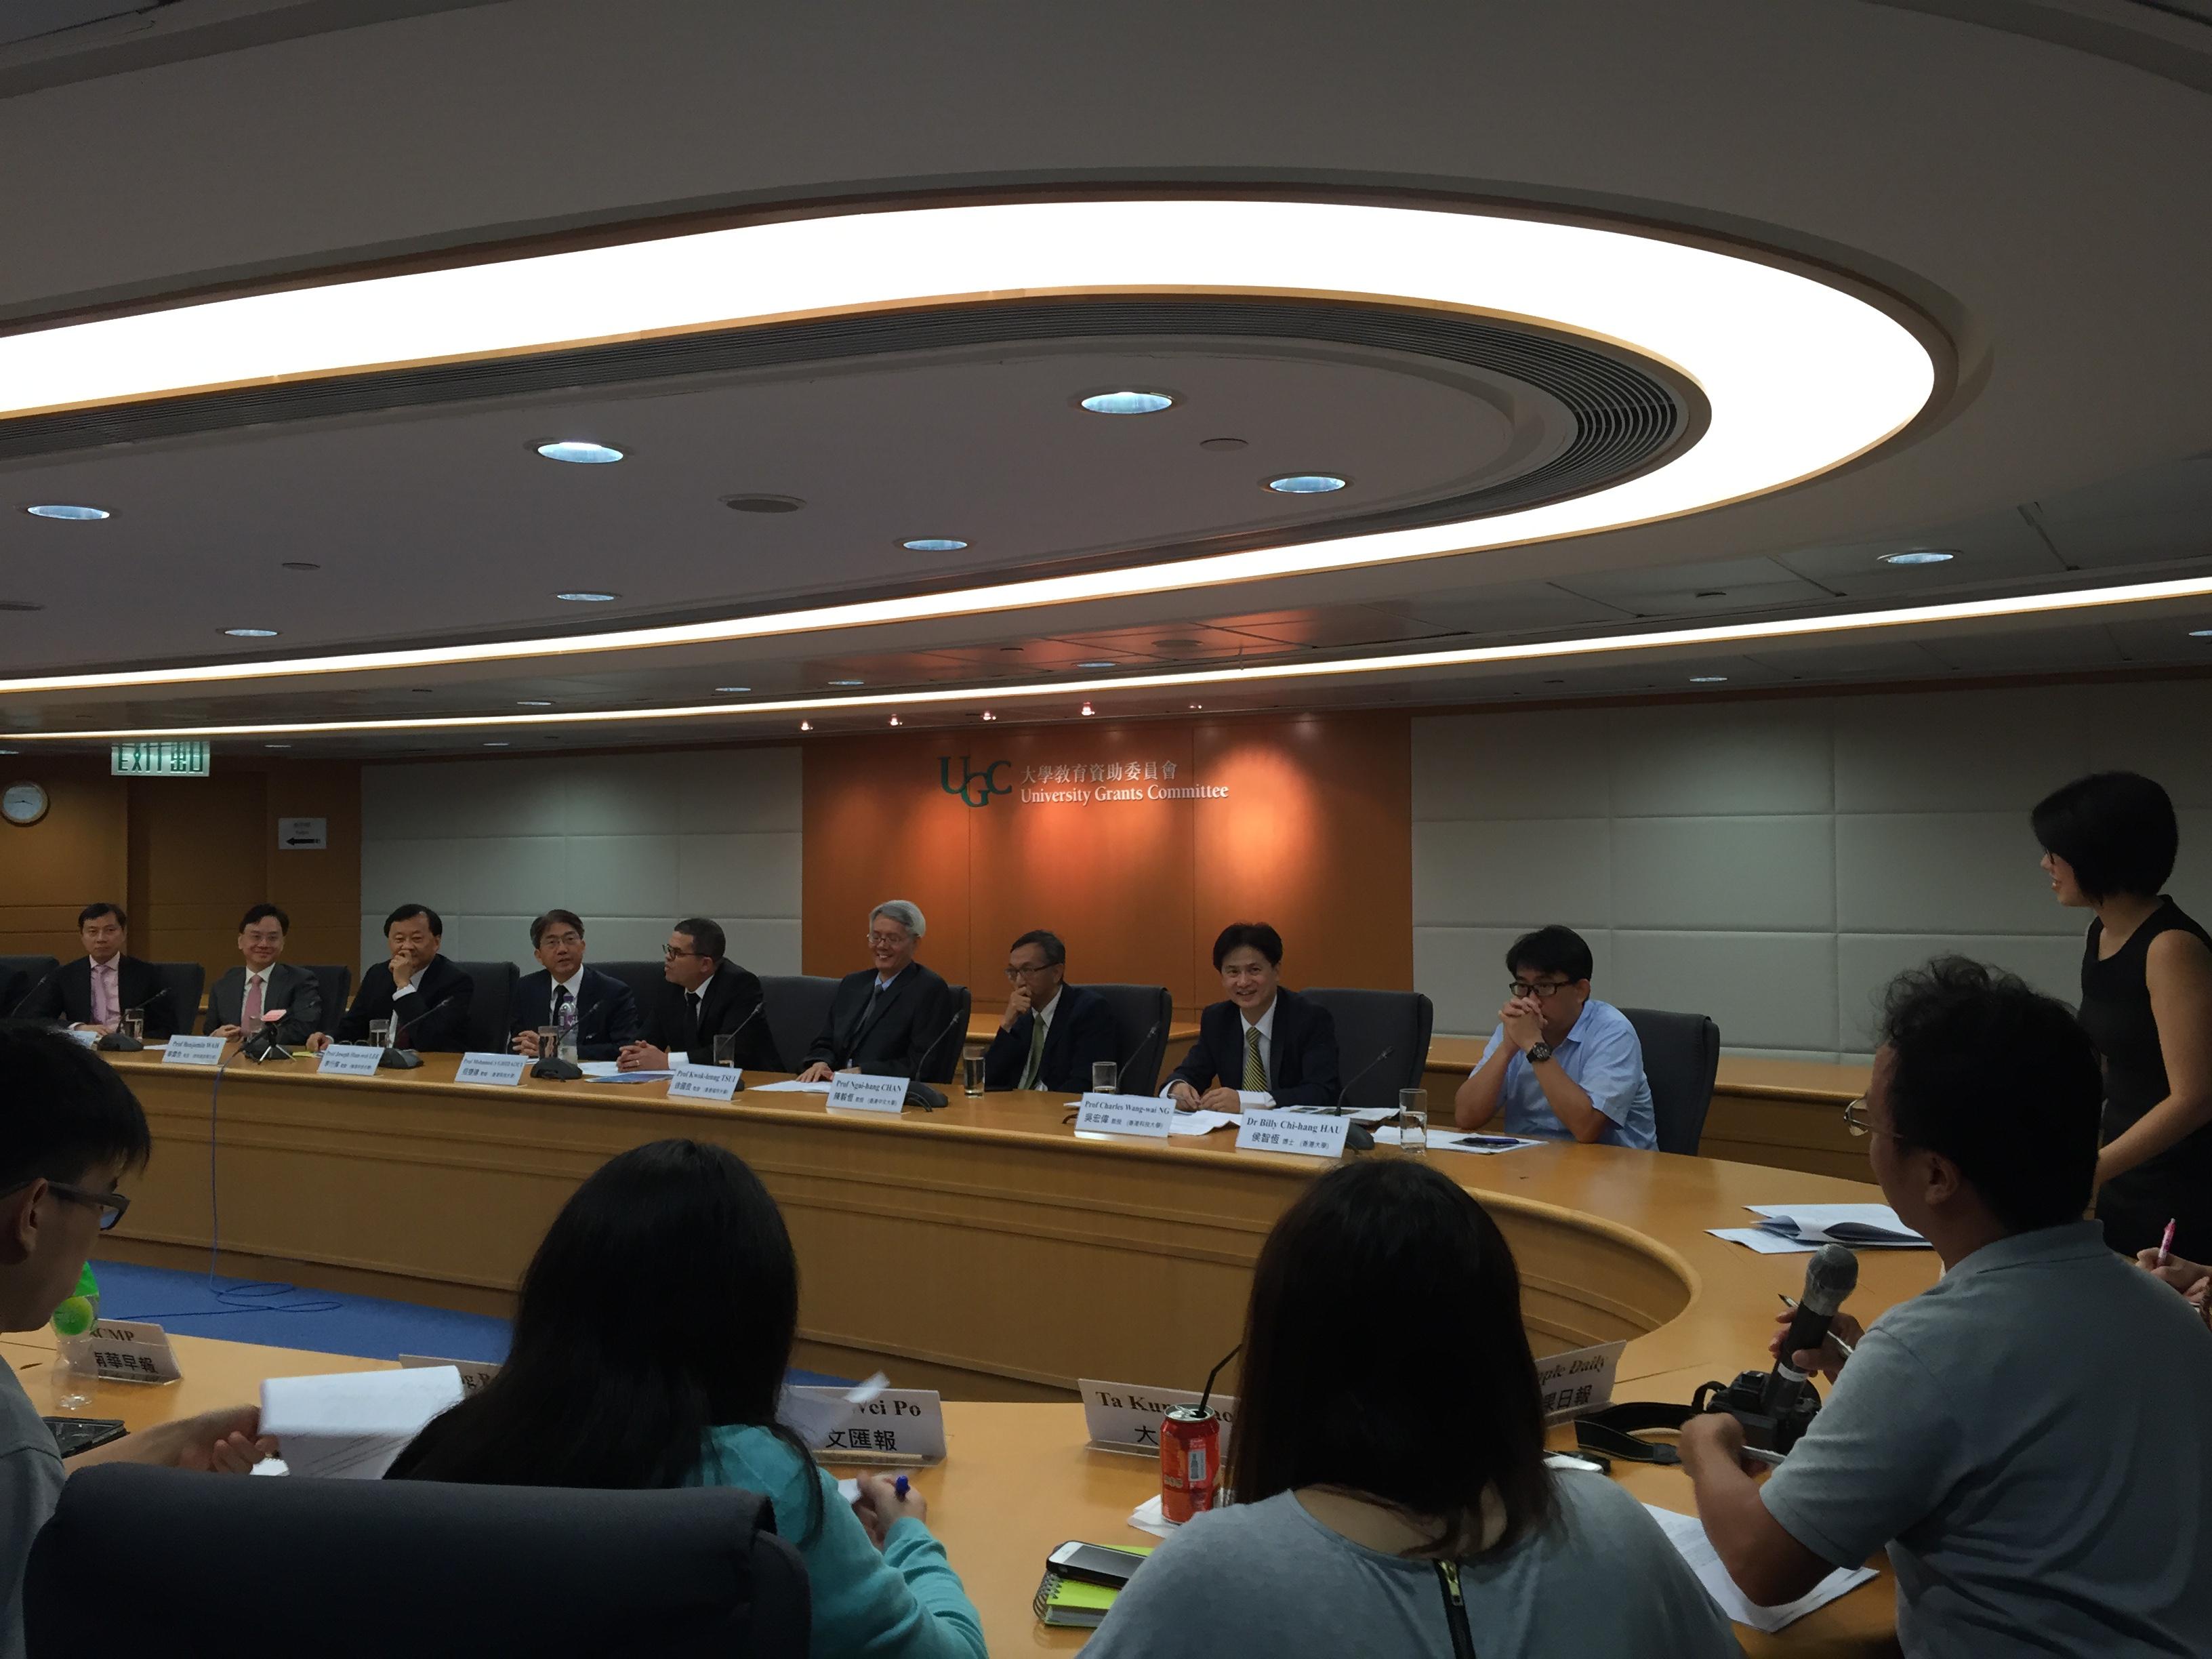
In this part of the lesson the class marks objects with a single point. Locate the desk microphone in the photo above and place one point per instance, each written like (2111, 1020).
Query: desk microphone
(397, 1059)
(1356, 1136)
(36, 986)
(1830, 1276)
(1137, 1054)
(919, 1093)
(120, 1042)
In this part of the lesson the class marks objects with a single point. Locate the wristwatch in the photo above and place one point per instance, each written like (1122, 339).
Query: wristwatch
(1537, 1051)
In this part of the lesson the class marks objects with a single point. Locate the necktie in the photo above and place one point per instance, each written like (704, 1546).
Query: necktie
(1037, 1054)
(249, 1020)
(692, 1020)
(104, 1010)
(564, 1010)
(1256, 1074)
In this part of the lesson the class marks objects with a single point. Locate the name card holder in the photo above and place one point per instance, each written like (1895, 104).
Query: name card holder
(348, 1060)
(501, 1071)
(895, 1425)
(716, 1082)
(193, 1051)
(1122, 1416)
(1578, 1381)
(857, 1091)
(1126, 1115)
(123, 1351)
(475, 1373)
(1296, 1133)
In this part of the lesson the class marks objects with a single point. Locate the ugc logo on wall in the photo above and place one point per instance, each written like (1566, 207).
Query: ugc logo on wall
(1070, 785)
(974, 787)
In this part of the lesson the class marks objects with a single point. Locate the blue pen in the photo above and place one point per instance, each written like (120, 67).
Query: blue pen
(898, 1484)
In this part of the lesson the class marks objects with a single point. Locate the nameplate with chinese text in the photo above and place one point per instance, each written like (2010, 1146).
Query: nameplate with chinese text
(895, 1425)
(193, 1051)
(1126, 1115)
(1578, 1381)
(504, 1071)
(122, 1351)
(1299, 1133)
(1125, 1416)
(350, 1059)
(717, 1082)
(857, 1091)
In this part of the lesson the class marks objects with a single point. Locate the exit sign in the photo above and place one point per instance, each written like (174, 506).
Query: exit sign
(187, 759)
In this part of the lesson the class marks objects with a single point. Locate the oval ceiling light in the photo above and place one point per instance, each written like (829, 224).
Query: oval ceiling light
(1849, 375)
(76, 513)
(589, 598)
(2200, 633)
(1128, 402)
(1097, 665)
(934, 544)
(251, 633)
(582, 450)
(1307, 483)
(1708, 679)
(731, 690)
(1920, 555)
(533, 702)
(849, 682)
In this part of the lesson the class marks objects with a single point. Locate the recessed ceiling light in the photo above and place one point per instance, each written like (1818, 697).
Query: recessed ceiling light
(498, 743)
(275, 745)
(1221, 445)
(62, 510)
(1086, 709)
(1128, 402)
(2200, 633)
(1306, 484)
(1094, 664)
(533, 702)
(934, 544)
(988, 715)
(1198, 705)
(849, 682)
(582, 450)
(1708, 679)
(251, 633)
(763, 503)
(1920, 555)
(895, 720)
(731, 690)
(807, 726)
(589, 598)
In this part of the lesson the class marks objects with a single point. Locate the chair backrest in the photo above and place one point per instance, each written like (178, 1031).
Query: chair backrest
(1681, 1057)
(942, 1063)
(796, 1007)
(377, 1567)
(644, 979)
(18, 977)
(1142, 1014)
(1368, 1022)
(336, 984)
(489, 1003)
(180, 1010)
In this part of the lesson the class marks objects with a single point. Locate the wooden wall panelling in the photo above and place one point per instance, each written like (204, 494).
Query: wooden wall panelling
(79, 852)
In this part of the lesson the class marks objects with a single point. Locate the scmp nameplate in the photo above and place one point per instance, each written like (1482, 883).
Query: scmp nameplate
(193, 1051)
(1125, 1115)
(856, 1091)
(707, 1083)
(1578, 1381)
(900, 1425)
(1124, 1417)
(127, 1352)
(503, 1070)
(348, 1060)
(1300, 1133)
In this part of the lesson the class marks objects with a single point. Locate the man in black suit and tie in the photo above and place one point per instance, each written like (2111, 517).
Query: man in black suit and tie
(266, 994)
(1052, 1032)
(594, 1013)
(95, 991)
(1263, 1037)
(889, 1019)
(426, 995)
(705, 996)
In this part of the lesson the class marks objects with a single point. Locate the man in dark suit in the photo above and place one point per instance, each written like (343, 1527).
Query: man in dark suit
(95, 991)
(1052, 1032)
(704, 996)
(892, 1018)
(424, 992)
(264, 987)
(1263, 1037)
(595, 1011)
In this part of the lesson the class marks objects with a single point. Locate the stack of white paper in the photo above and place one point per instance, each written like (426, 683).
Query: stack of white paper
(1860, 1225)
(792, 1087)
(1688, 1534)
(1201, 1123)
(350, 1426)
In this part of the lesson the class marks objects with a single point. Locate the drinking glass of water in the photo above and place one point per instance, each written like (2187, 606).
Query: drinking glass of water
(1105, 1077)
(1414, 1122)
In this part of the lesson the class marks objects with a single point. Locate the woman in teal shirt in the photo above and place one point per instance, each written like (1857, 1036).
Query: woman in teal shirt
(651, 1339)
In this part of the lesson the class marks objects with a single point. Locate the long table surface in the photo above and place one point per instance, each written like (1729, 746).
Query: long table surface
(1017, 1481)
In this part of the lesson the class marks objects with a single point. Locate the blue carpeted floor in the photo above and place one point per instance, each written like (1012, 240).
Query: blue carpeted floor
(243, 1311)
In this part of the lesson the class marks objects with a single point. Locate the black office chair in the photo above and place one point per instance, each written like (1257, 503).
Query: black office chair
(796, 1007)
(336, 983)
(1142, 1014)
(942, 1063)
(648, 981)
(179, 1010)
(340, 1568)
(19, 976)
(1368, 1022)
(489, 1005)
(1681, 1057)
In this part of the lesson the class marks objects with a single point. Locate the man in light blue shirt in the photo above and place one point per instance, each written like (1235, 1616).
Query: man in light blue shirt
(1561, 1064)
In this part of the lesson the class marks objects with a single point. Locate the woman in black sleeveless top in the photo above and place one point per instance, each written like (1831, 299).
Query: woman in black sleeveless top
(2109, 842)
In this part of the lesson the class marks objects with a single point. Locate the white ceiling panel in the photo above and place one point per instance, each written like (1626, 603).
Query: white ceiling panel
(1691, 590)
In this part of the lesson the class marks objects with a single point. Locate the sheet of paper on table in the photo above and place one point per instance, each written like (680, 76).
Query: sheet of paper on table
(1147, 1517)
(1359, 1115)
(1450, 1140)
(1860, 1225)
(1764, 1242)
(351, 1425)
(793, 1087)
(1688, 1534)
(1202, 1123)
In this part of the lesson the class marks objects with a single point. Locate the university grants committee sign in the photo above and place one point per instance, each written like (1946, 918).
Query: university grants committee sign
(1073, 783)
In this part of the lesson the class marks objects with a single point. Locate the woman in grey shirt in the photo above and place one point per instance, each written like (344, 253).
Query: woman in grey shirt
(1390, 1458)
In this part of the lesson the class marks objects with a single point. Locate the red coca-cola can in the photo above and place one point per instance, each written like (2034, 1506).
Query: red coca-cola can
(1190, 1461)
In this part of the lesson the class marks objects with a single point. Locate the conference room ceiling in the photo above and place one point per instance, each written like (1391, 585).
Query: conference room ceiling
(2070, 449)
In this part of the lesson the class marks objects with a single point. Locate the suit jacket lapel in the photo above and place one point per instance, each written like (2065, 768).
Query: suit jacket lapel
(885, 1002)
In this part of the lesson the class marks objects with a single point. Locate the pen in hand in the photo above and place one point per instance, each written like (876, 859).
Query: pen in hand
(1841, 1347)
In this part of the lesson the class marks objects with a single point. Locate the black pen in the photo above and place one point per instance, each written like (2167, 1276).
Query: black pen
(1791, 1303)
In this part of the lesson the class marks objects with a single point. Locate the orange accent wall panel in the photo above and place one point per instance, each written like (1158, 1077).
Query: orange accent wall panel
(1135, 842)
(50, 870)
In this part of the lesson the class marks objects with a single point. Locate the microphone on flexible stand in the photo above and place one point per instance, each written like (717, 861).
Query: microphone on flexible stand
(1356, 1136)
(120, 1042)
(919, 1093)
(1144, 1043)
(397, 1059)
(36, 986)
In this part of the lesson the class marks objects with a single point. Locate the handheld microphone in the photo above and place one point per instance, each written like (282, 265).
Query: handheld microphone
(398, 1058)
(119, 1041)
(1357, 1139)
(1830, 1276)
(36, 986)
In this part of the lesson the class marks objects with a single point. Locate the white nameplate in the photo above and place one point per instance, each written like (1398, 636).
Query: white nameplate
(901, 1426)
(1122, 1416)
(193, 1051)
(506, 1070)
(1578, 1381)
(124, 1353)
(856, 1091)
(707, 1083)
(475, 1373)
(348, 1060)
(1292, 1132)
(89, 1039)
(1126, 1115)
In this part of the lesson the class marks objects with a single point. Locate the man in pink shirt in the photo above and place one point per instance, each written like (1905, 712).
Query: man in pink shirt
(95, 991)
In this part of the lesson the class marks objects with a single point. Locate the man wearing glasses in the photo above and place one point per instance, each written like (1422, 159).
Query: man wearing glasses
(704, 996)
(890, 1019)
(594, 1013)
(1052, 1031)
(1561, 1064)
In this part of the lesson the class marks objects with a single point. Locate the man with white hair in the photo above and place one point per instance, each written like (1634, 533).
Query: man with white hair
(893, 1018)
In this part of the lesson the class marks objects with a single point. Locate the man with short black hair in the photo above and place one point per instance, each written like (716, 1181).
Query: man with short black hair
(1052, 1032)
(2027, 1436)
(266, 994)
(704, 996)
(424, 995)
(594, 1011)
(95, 992)
(1561, 1065)
(72, 1129)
